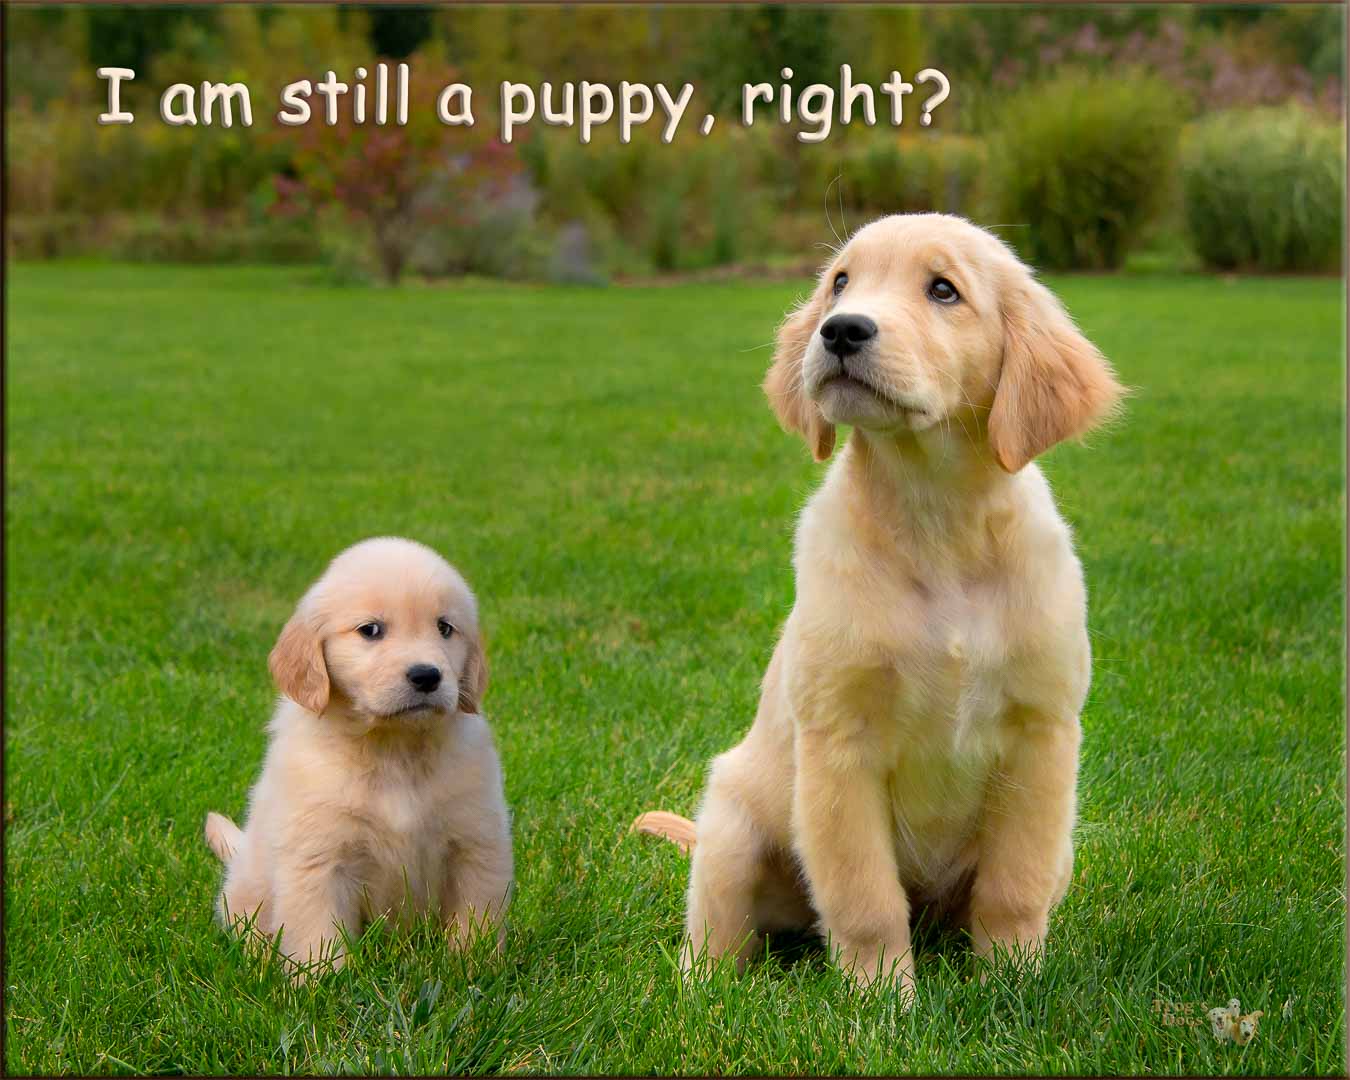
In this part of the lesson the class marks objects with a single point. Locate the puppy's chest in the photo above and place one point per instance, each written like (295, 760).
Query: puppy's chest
(403, 814)
(404, 823)
(945, 652)
(939, 724)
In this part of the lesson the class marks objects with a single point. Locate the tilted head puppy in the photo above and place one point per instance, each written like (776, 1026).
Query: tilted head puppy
(381, 784)
(1246, 1027)
(923, 322)
(917, 735)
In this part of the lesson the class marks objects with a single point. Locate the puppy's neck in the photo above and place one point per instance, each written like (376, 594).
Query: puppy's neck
(928, 488)
(938, 464)
(357, 737)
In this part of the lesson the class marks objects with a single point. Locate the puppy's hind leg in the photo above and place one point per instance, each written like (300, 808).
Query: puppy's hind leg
(725, 872)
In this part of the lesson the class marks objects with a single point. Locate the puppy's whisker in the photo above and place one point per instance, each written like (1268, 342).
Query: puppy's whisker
(839, 195)
(965, 400)
(837, 178)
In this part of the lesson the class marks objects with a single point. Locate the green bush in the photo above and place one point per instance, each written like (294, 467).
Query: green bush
(496, 237)
(1084, 162)
(60, 161)
(881, 172)
(49, 236)
(220, 239)
(155, 237)
(648, 206)
(1264, 189)
(732, 207)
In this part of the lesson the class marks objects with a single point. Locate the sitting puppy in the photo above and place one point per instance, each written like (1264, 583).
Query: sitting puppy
(917, 736)
(381, 784)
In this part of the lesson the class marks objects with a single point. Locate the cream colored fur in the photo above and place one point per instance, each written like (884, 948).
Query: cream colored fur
(374, 797)
(917, 736)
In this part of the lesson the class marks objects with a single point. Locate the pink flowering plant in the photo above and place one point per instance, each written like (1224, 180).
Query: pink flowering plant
(395, 182)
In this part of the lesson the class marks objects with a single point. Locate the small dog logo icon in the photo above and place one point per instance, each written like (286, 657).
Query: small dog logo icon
(1229, 1025)
(1247, 1027)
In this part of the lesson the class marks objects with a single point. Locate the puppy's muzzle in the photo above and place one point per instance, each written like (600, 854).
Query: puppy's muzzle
(424, 677)
(845, 335)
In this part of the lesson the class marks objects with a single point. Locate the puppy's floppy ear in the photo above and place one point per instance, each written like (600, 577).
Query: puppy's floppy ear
(297, 665)
(473, 683)
(1054, 384)
(783, 385)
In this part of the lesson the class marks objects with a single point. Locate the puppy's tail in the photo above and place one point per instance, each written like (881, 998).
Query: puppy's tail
(222, 836)
(678, 830)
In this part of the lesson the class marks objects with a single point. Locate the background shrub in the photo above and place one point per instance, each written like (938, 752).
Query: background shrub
(394, 183)
(1083, 162)
(497, 234)
(1264, 188)
(233, 237)
(652, 207)
(60, 161)
(883, 172)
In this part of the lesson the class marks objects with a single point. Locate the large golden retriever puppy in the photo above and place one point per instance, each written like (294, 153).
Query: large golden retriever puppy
(917, 735)
(381, 792)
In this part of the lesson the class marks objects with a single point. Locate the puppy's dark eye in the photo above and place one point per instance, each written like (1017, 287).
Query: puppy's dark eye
(444, 627)
(943, 291)
(840, 283)
(371, 631)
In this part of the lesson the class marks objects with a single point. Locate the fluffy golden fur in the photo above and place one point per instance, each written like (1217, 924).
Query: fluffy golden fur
(917, 736)
(377, 795)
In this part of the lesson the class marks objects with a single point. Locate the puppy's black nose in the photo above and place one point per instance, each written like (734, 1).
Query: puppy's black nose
(425, 677)
(846, 334)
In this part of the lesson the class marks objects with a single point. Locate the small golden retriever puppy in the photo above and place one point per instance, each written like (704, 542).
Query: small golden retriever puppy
(917, 736)
(381, 791)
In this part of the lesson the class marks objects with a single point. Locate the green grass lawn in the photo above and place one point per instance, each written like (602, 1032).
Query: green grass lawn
(186, 448)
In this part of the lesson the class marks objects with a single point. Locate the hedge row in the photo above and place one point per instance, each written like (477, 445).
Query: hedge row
(1080, 166)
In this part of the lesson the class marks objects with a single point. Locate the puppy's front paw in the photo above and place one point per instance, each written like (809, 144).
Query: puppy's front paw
(305, 959)
(462, 934)
(875, 967)
(303, 971)
(708, 960)
(1019, 945)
